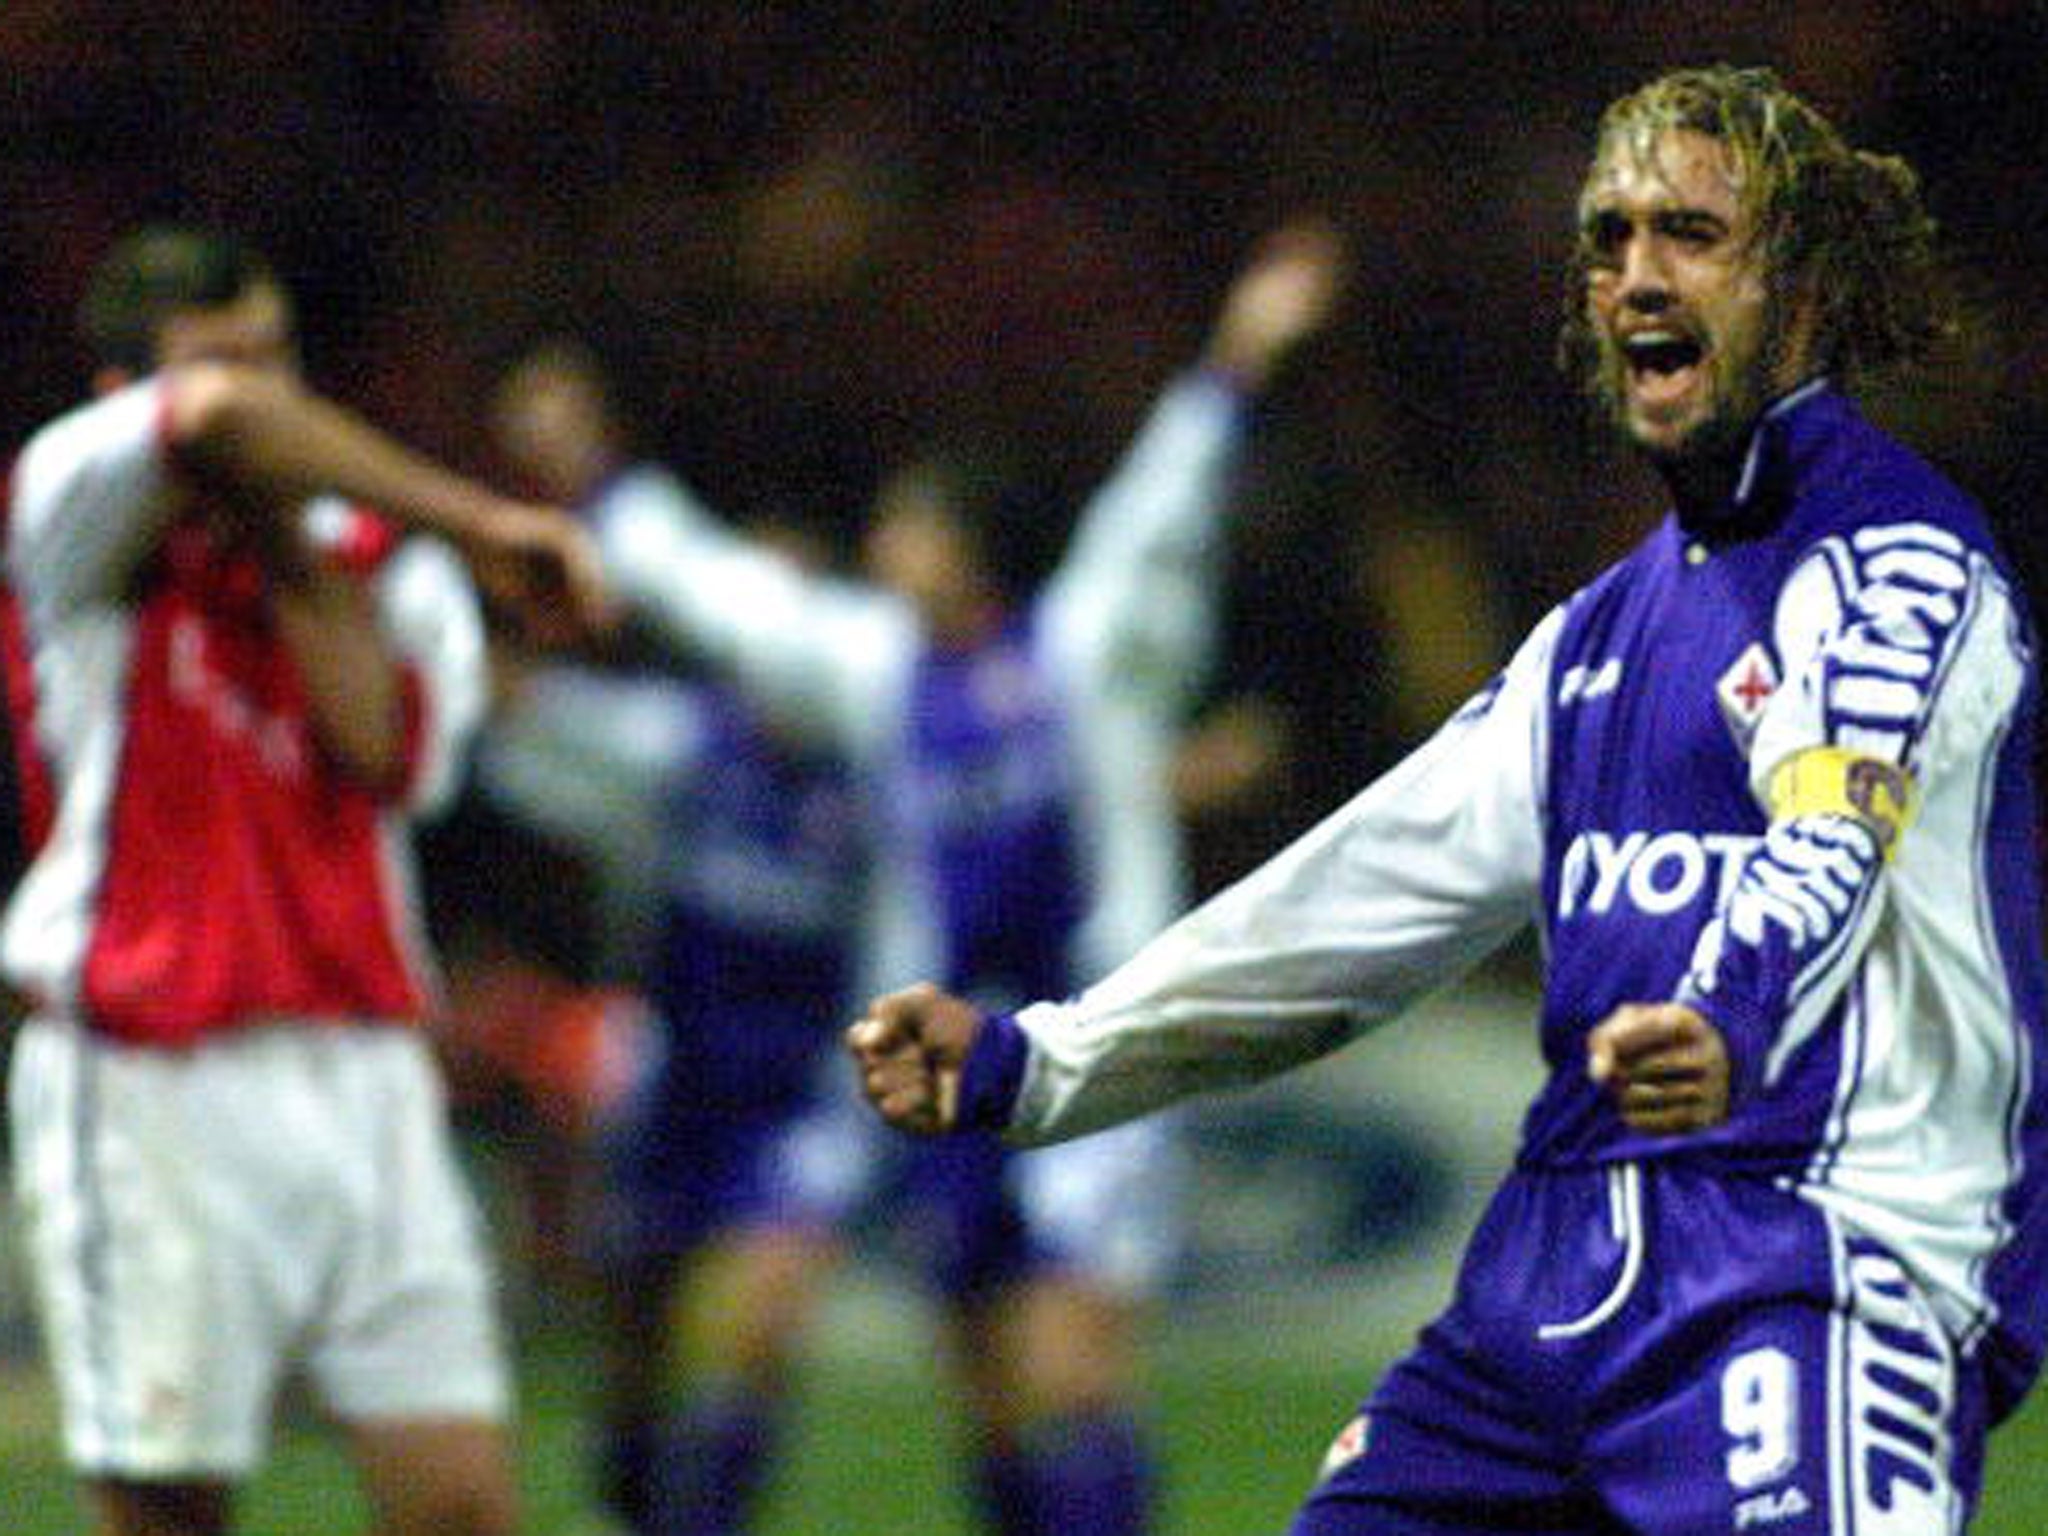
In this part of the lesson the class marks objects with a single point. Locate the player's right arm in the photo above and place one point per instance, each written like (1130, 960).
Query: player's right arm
(98, 488)
(268, 444)
(828, 658)
(1428, 870)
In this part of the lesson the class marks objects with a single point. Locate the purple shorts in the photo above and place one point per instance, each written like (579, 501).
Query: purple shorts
(1660, 1350)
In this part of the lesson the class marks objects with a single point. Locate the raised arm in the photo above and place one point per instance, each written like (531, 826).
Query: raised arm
(1284, 295)
(830, 658)
(96, 491)
(1137, 591)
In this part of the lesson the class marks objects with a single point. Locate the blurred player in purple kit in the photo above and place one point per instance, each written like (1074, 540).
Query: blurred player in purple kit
(735, 856)
(239, 686)
(1770, 1257)
(1014, 748)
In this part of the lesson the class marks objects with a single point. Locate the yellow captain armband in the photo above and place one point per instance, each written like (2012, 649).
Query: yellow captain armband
(1833, 781)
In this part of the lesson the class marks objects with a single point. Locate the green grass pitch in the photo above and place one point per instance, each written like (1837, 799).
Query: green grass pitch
(1242, 1428)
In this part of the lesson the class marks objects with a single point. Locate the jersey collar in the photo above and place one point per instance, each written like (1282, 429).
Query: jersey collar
(1770, 464)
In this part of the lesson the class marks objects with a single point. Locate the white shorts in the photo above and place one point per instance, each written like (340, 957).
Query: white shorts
(198, 1222)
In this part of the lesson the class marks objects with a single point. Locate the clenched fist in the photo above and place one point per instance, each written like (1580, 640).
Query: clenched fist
(1664, 1065)
(911, 1048)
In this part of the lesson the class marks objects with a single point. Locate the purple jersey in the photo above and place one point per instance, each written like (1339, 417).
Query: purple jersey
(1025, 831)
(987, 786)
(1883, 1023)
(1083, 699)
(764, 866)
(1879, 983)
(752, 854)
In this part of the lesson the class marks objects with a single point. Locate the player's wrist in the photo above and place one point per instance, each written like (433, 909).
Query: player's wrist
(1231, 376)
(992, 1077)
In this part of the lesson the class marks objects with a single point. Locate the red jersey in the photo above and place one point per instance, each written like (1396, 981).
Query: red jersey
(202, 864)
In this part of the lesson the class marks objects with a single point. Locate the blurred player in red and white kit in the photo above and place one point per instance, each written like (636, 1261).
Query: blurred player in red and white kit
(234, 688)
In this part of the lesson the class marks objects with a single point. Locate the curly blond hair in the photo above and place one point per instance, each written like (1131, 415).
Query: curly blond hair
(1841, 225)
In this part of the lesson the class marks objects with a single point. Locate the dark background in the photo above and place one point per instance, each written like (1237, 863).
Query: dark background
(808, 235)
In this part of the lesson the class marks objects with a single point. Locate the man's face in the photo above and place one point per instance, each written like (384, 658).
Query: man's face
(1679, 300)
(916, 546)
(254, 330)
(552, 419)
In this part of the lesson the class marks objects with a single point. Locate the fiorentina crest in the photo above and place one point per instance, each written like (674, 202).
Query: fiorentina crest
(1745, 688)
(1347, 1447)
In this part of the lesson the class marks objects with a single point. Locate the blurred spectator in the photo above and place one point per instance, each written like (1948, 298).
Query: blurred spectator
(867, 176)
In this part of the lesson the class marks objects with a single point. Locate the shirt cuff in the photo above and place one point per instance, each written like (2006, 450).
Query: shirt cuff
(1745, 1035)
(993, 1075)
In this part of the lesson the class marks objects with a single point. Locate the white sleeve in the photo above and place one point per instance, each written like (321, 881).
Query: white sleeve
(1134, 601)
(828, 658)
(431, 615)
(91, 495)
(1900, 644)
(588, 757)
(1429, 869)
(1867, 629)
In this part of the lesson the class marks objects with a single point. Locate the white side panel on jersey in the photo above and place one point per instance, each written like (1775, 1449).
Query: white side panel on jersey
(430, 611)
(80, 679)
(89, 501)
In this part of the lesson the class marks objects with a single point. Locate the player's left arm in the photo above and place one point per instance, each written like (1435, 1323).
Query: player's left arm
(1903, 663)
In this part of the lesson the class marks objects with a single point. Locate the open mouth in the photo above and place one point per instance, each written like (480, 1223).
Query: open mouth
(1661, 364)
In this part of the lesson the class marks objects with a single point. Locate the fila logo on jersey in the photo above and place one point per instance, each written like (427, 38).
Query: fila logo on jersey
(1745, 688)
(1587, 683)
(1769, 1508)
(1902, 1380)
